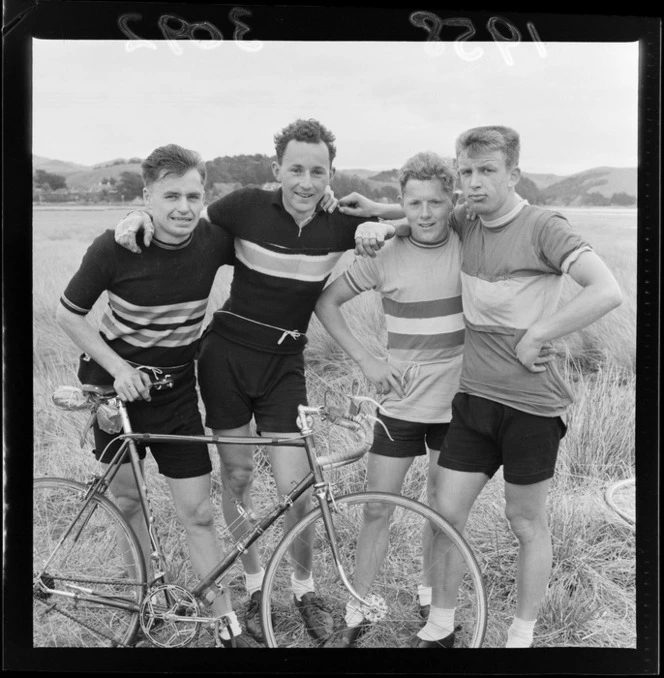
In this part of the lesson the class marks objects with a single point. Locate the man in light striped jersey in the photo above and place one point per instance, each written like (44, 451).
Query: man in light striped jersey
(418, 280)
(251, 361)
(150, 327)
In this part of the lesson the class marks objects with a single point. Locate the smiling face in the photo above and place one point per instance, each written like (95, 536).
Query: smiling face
(304, 172)
(487, 183)
(175, 203)
(427, 208)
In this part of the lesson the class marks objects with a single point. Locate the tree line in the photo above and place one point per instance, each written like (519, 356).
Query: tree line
(229, 172)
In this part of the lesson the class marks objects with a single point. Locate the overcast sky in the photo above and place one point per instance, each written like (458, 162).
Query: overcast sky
(575, 105)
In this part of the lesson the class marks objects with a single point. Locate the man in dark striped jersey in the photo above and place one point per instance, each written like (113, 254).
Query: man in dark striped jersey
(251, 362)
(150, 327)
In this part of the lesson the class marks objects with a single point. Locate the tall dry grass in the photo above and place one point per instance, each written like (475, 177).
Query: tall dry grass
(591, 597)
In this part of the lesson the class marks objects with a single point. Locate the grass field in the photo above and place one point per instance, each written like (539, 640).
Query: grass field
(591, 597)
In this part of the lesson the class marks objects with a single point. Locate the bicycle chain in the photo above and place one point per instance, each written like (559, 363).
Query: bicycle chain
(78, 621)
(84, 580)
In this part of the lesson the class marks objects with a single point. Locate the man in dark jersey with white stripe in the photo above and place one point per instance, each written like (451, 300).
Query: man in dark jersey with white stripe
(251, 361)
(151, 327)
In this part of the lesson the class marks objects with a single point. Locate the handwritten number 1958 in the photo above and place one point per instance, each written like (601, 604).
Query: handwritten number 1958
(433, 25)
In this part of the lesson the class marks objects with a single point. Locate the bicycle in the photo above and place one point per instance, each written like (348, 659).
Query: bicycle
(91, 586)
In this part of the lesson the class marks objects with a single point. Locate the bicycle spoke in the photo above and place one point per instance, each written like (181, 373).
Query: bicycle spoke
(87, 587)
(386, 572)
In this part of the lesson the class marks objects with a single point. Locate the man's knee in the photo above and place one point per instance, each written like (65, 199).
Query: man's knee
(199, 516)
(126, 497)
(449, 508)
(526, 524)
(237, 477)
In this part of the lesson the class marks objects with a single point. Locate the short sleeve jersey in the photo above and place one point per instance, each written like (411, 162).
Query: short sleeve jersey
(511, 277)
(280, 268)
(157, 299)
(420, 290)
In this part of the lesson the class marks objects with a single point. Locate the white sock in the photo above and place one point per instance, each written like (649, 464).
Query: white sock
(424, 595)
(520, 634)
(254, 582)
(353, 616)
(439, 624)
(300, 587)
(235, 626)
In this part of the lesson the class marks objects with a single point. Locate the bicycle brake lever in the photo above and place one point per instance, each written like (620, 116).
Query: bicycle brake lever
(382, 423)
(358, 400)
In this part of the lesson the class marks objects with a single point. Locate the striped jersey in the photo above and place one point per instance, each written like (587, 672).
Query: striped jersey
(157, 299)
(511, 277)
(280, 268)
(420, 290)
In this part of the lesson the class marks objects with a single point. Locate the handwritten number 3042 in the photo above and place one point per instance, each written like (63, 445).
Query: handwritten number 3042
(175, 28)
(433, 25)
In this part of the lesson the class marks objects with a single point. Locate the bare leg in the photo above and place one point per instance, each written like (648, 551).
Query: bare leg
(289, 466)
(384, 474)
(191, 497)
(125, 492)
(526, 512)
(237, 465)
(432, 483)
(455, 495)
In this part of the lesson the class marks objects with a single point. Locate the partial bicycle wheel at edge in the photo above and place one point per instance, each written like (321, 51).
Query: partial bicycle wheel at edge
(87, 585)
(397, 565)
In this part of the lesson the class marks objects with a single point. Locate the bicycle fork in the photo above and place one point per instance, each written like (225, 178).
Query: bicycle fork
(325, 499)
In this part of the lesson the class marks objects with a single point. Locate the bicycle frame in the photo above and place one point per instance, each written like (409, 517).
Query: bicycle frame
(208, 587)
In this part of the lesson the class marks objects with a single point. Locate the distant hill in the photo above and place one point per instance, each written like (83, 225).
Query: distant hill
(543, 181)
(85, 179)
(601, 185)
(60, 167)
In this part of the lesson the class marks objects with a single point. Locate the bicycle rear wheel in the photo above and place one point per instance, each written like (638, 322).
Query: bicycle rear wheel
(397, 564)
(87, 585)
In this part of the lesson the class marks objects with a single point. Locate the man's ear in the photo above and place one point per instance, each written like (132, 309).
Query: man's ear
(515, 176)
(146, 196)
(332, 171)
(276, 170)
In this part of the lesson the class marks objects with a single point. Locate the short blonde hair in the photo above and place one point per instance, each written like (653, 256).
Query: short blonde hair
(427, 166)
(493, 138)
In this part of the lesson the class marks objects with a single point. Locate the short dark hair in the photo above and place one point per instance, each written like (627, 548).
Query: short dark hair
(171, 159)
(491, 137)
(427, 166)
(310, 131)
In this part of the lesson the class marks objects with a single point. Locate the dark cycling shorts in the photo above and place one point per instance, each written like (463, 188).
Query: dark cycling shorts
(238, 382)
(171, 411)
(484, 435)
(411, 439)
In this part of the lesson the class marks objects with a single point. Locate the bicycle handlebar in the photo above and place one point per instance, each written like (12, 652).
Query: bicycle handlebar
(348, 420)
(88, 395)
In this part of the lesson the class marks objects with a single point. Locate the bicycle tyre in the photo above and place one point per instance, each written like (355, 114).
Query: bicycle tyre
(619, 496)
(90, 559)
(396, 582)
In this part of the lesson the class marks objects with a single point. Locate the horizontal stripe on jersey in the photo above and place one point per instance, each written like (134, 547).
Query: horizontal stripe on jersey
(421, 295)
(285, 264)
(156, 299)
(146, 326)
(511, 275)
(281, 268)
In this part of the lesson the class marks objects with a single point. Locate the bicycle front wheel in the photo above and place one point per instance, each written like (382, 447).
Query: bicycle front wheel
(404, 544)
(88, 569)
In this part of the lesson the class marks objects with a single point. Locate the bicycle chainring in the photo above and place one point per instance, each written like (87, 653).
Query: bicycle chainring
(165, 616)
